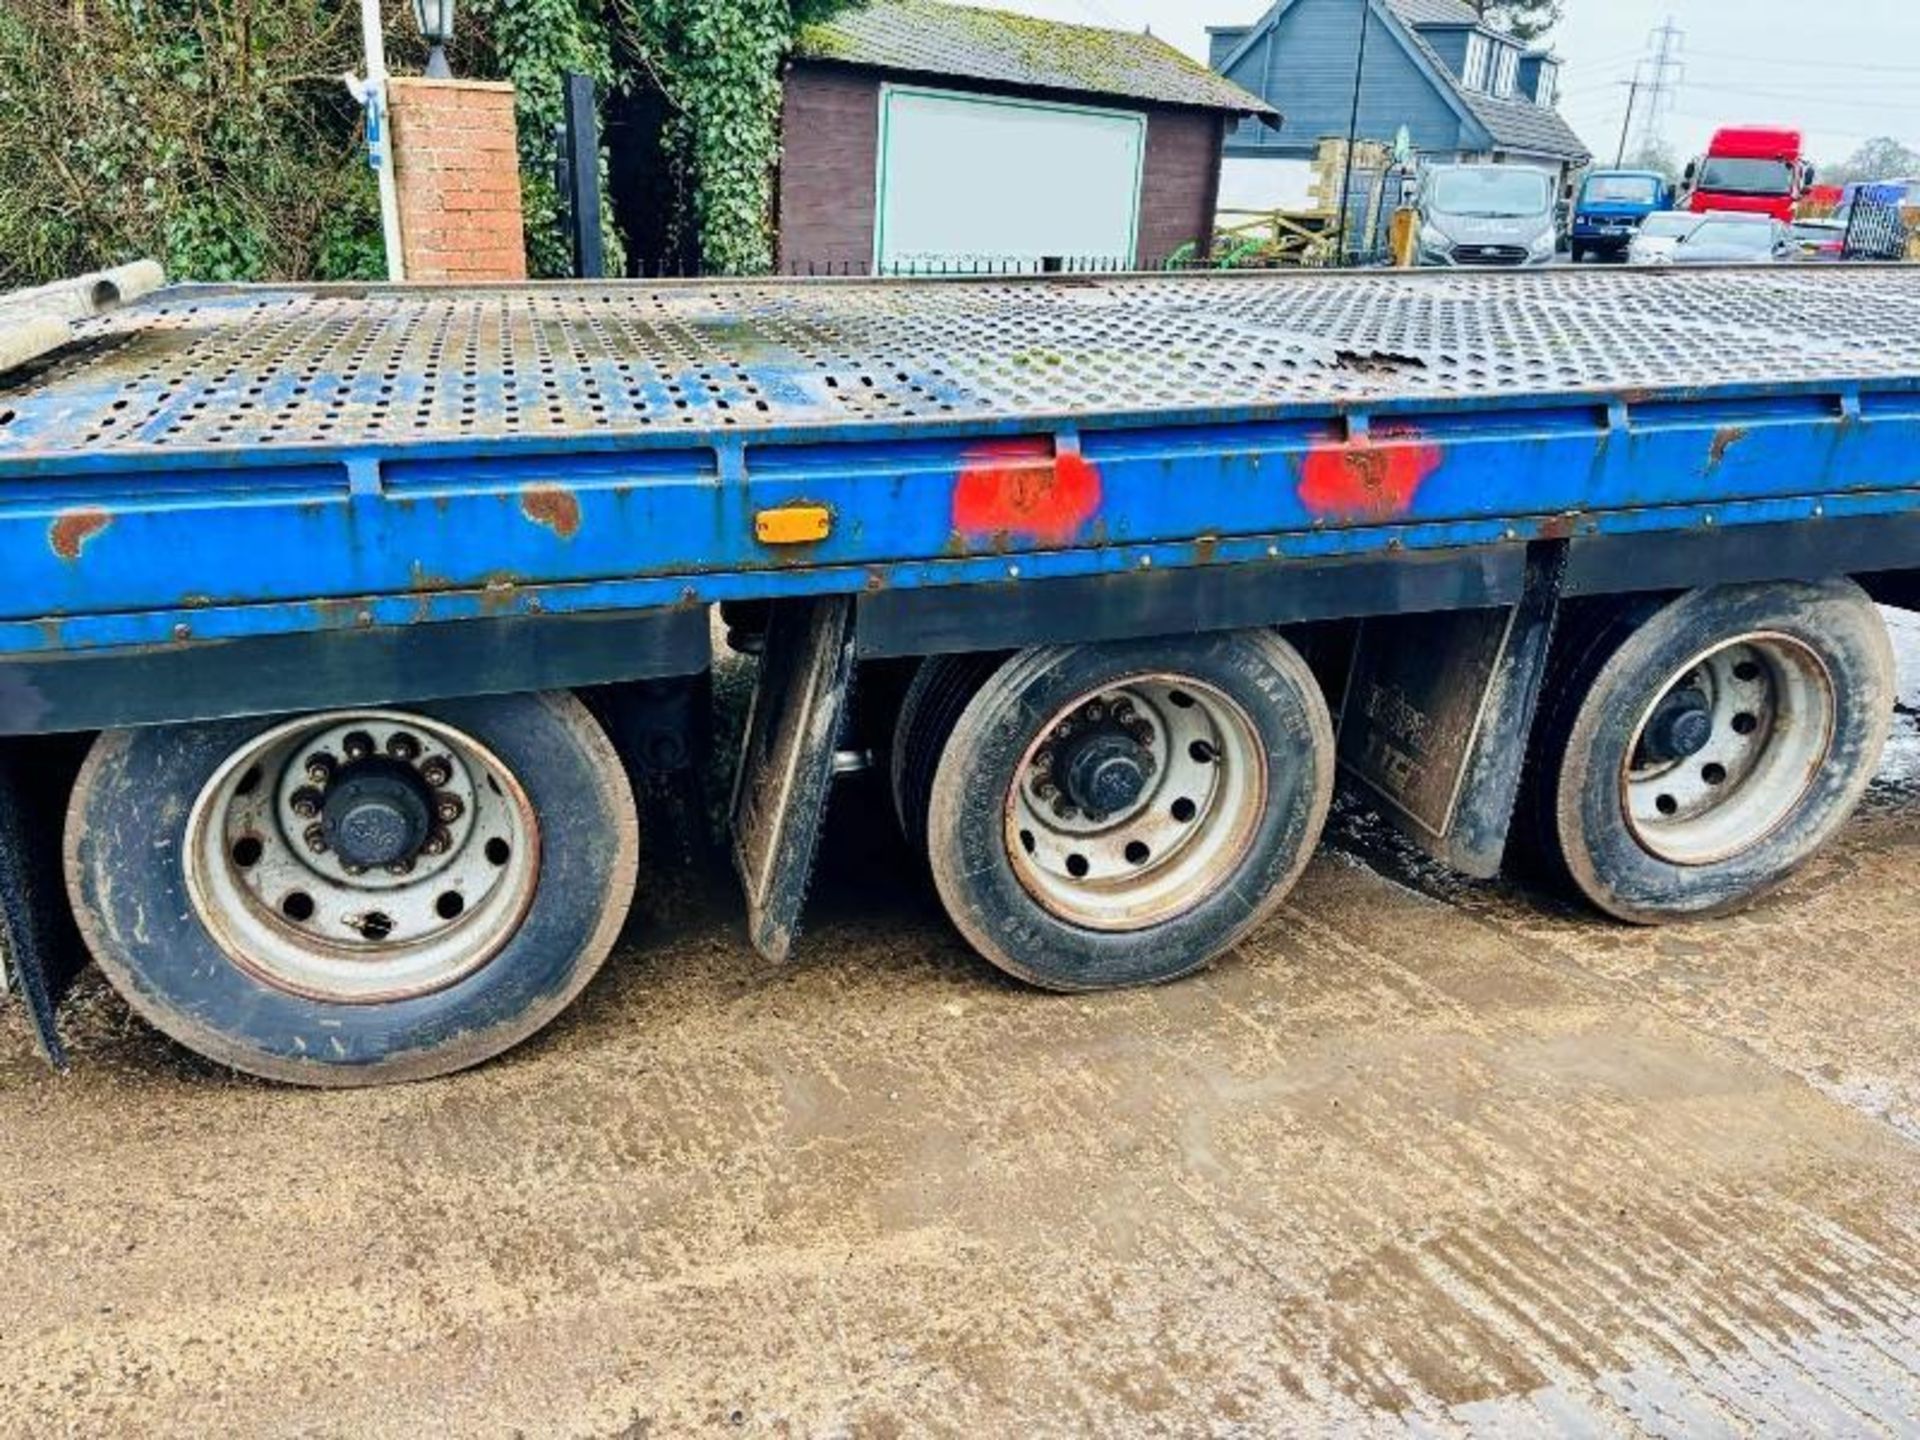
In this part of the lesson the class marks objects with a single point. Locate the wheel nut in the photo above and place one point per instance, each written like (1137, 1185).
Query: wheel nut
(320, 769)
(1123, 712)
(305, 803)
(1043, 759)
(358, 745)
(438, 843)
(1095, 711)
(436, 772)
(402, 746)
(448, 808)
(400, 867)
(316, 838)
(1046, 790)
(1063, 809)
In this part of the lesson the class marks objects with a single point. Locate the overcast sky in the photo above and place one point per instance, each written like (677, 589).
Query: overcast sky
(1843, 69)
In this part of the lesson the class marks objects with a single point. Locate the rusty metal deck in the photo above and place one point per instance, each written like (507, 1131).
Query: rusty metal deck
(221, 369)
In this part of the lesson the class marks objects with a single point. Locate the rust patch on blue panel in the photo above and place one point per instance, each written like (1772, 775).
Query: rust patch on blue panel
(1723, 441)
(72, 529)
(553, 506)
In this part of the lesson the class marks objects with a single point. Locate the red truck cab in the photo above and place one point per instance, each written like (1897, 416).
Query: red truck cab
(1750, 169)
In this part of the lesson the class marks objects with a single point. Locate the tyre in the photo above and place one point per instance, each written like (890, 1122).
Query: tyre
(1115, 815)
(355, 897)
(1692, 753)
(941, 689)
(1581, 254)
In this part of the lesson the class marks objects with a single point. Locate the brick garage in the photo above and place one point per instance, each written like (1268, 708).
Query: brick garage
(829, 191)
(457, 169)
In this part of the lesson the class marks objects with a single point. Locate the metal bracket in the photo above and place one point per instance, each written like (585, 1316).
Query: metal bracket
(1439, 710)
(787, 766)
(40, 949)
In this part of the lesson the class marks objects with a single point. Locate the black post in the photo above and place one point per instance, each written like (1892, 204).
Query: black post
(562, 187)
(582, 189)
(1626, 126)
(1353, 126)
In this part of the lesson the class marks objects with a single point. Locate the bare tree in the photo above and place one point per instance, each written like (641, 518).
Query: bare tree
(1884, 158)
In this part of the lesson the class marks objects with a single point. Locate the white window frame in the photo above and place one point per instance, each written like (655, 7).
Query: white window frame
(1547, 88)
(1506, 72)
(1479, 59)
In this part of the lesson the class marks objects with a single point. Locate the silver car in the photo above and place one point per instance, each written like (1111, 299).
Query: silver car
(1660, 235)
(1736, 240)
(1487, 215)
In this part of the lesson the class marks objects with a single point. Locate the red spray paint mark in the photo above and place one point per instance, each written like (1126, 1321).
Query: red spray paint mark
(1022, 488)
(1368, 479)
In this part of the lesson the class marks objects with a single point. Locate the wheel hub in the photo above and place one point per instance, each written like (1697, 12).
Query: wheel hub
(1726, 752)
(363, 856)
(1680, 728)
(1106, 772)
(377, 813)
(1135, 801)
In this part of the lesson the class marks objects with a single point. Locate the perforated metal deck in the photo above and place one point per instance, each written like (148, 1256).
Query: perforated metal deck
(222, 369)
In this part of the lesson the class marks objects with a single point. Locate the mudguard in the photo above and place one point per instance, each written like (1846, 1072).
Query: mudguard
(1438, 714)
(786, 767)
(40, 948)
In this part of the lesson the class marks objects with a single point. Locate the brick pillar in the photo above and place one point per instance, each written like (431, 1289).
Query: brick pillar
(458, 171)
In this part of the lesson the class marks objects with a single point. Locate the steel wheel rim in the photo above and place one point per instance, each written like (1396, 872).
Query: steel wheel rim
(1774, 711)
(1161, 855)
(289, 910)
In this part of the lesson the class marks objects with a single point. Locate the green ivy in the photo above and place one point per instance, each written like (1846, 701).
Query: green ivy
(216, 135)
(719, 64)
(536, 44)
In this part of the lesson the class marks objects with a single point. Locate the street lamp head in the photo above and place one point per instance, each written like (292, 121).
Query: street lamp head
(435, 19)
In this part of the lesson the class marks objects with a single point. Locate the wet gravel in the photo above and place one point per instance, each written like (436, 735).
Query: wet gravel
(1422, 1156)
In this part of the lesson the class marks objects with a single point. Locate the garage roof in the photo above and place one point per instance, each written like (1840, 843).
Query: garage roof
(926, 37)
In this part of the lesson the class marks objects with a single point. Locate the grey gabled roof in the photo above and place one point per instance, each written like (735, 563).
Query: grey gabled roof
(1519, 124)
(1436, 12)
(926, 37)
(1516, 124)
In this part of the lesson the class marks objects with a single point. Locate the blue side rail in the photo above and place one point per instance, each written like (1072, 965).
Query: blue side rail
(229, 464)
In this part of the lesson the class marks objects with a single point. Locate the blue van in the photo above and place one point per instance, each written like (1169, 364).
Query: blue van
(1612, 204)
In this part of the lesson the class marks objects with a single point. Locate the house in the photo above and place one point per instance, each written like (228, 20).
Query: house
(920, 134)
(1461, 89)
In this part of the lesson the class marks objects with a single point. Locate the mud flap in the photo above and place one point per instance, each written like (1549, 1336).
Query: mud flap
(40, 949)
(786, 766)
(1438, 714)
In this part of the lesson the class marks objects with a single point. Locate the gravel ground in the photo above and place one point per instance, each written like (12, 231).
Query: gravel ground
(1421, 1156)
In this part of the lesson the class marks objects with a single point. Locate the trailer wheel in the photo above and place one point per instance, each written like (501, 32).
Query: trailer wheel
(1116, 815)
(355, 897)
(1692, 755)
(941, 690)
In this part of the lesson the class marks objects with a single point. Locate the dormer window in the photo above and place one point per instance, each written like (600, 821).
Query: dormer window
(1479, 62)
(1506, 72)
(1546, 90)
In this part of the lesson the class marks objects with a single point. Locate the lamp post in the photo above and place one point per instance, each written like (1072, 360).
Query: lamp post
(372, 93)
(1353, 127)
(435, 19)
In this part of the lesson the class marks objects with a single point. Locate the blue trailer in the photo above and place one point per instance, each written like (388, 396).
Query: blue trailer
(339, 623)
